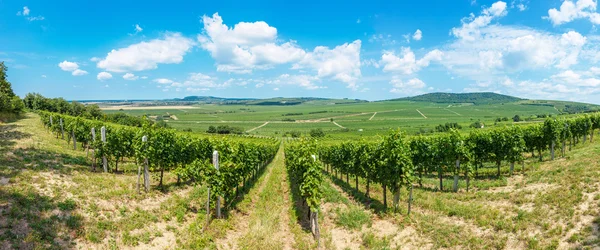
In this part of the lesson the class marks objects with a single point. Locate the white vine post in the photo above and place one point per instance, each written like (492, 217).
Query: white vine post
(94, 148)
(216, 164)
(74, 140)
(51, 123)
(62, 131)
(144, 140)
(104, 162)
(314, 219)
(146, 173)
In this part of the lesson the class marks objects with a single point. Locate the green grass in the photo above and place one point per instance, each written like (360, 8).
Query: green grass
(352, 217)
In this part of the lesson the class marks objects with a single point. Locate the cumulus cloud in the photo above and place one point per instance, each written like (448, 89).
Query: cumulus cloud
(418, 35)
(72, 67)
(25, 12)
(130, 77)
(246, 46)
(79, 72)
(471, 25)
(138, 28)
(249, 46)
(147, 55)
(408, 87)
(569, 11)
(68, 66)
(163, 81)
(104, 76)
(341, 63)
(194, 82)
(406, 62)
(304, 81)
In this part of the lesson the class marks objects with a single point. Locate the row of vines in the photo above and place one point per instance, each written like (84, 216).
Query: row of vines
(396, 161)
(189, 156)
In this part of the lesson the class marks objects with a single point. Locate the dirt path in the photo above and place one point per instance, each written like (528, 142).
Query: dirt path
(241, 225)
(339, 125)
(263, 224)
(372, 116)
(453, 112)
(422, 114)
(250, 130)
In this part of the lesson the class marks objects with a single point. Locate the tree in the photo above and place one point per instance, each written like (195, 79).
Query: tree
(516, 118)
(317, 133)
(9, 102)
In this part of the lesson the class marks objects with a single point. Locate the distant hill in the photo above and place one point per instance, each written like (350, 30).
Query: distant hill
(277, 101)
(475, 98)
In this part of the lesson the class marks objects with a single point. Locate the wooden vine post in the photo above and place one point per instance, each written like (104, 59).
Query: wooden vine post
(104, 162)
(146, 174)
(74, 140)
(216, 164)
(410, 197)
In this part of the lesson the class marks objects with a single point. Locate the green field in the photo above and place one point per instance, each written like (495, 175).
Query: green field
(362, 119)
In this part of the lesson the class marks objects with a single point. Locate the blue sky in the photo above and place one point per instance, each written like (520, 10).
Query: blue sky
(356, 49)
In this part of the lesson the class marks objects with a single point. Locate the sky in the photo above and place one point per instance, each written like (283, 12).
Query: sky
(371, 50)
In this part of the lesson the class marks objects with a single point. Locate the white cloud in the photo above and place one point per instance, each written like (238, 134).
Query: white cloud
(95, 59)
(25, 12)
(570, 11)
(130, 77)
(249, 46)
(276, 89)
(502, 50)
(104, 76)
(72, 67)
(418, 35)
(371, 62)
(79, 72)
(163, 81)
(521, 5)
(471, 25)
(575, 79)
(147, 55)
(304, 81)
(341, 63)
(43, 76)
(195, 82)
(407, 62)
(246, 46)
(144, 77)
(385, 40)
(138, 28)
(412, 86)
(35, 18)
(68, 66)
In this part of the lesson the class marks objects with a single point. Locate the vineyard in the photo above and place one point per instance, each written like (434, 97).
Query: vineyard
(96, 184)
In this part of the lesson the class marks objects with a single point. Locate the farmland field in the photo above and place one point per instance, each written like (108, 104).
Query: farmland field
(360, 119)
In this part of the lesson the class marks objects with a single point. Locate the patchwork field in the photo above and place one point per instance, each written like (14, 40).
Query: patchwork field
(351, 119)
